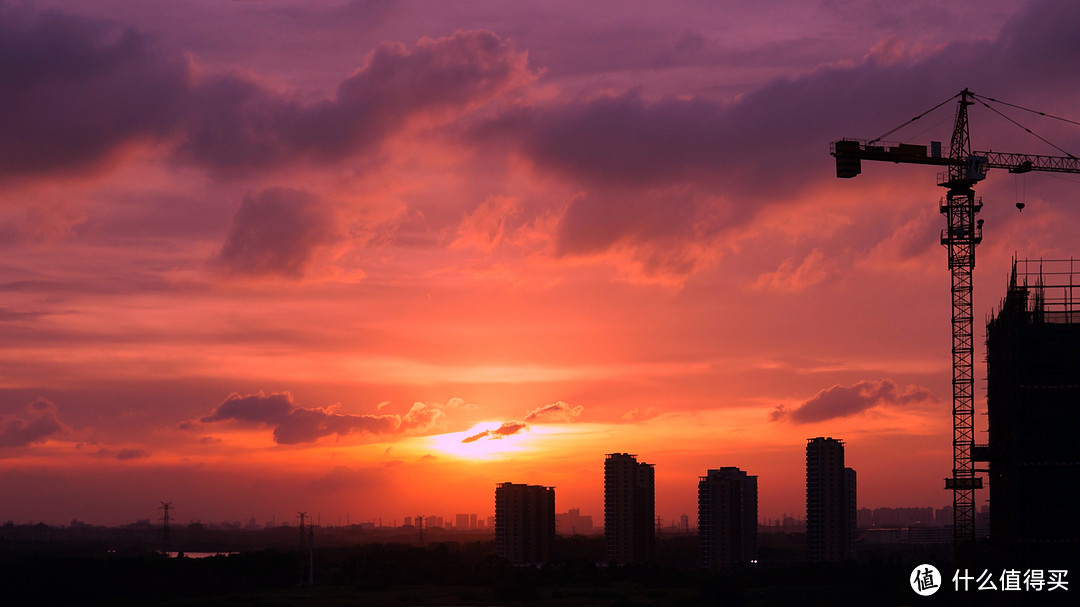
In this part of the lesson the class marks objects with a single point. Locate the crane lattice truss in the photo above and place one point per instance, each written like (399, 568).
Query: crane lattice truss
(961, 235)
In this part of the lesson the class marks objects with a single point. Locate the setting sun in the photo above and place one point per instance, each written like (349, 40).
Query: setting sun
(486, 442)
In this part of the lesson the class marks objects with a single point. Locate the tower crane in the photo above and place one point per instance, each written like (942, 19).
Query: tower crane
(964, 168)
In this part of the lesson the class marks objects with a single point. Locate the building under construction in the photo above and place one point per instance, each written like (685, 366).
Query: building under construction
(1033, 405)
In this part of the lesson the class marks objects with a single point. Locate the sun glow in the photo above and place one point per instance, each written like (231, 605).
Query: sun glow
(486, 442)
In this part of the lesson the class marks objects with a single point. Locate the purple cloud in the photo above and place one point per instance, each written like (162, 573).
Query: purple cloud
(36, 422)
(123, 454)
(236, 124)
(74, 91)
(843, 401)
(658, 173)
(309, 425)
(258, 408)
(294, 425)
(275, 233)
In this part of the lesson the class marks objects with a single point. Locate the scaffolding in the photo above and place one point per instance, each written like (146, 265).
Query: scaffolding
(1052, 287)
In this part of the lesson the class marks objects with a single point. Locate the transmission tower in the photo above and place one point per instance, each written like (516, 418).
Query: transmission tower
(165, 507)
(301, 516)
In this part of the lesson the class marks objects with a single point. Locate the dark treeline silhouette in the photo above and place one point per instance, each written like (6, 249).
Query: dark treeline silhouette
(44, 579)
(457, 573)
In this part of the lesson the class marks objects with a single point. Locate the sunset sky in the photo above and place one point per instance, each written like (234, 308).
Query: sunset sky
(374, 257)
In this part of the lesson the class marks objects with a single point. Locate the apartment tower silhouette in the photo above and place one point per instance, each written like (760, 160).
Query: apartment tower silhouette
(629, 509)
(524, 522)
(727, 518)
(830, 501)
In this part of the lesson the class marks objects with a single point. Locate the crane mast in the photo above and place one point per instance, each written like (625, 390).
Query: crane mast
(963, 232)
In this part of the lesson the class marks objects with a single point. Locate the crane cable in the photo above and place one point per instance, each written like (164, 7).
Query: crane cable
(1040, 137)
(1025, 109)
(873, 141)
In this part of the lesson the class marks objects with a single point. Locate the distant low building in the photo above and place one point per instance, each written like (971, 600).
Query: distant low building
(464, 522)
(573, 523)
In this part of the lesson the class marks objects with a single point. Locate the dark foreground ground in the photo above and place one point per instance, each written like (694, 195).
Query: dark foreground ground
(467, 573)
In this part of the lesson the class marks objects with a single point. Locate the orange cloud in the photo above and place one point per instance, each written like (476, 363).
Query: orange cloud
(506, 429)
(485, 226)
(555, 412)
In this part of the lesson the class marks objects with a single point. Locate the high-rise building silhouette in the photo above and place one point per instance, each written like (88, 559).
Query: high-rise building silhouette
(629, 509)
(1033, 406)
(830, 501)
(524, 522)
(727, 518)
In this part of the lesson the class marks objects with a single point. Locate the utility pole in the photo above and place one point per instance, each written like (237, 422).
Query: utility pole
(311, 555)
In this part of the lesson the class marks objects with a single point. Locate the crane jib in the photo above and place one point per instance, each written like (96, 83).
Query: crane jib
(850, 153)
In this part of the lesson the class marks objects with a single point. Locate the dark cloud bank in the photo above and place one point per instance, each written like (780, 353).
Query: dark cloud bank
(293, 425)
(655, 173)
(843, 401)
(74, 91)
